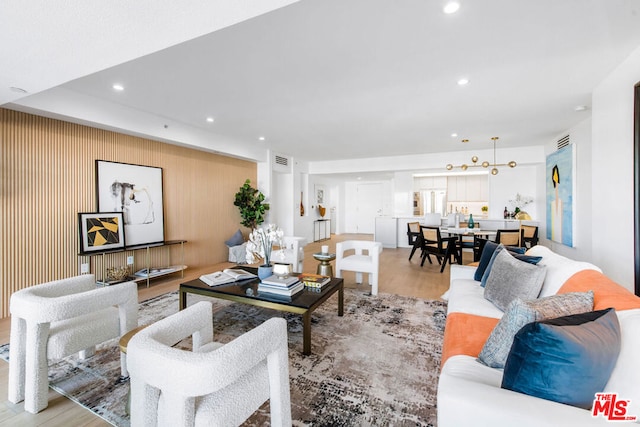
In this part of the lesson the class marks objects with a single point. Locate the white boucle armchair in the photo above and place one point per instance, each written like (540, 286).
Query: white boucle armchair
(291, 252)
(350, 256)
(213, 385)
(56, 319)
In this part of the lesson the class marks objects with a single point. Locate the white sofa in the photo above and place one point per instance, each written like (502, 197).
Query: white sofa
(470, 393)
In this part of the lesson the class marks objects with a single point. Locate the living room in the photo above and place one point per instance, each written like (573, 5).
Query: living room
(49, 148)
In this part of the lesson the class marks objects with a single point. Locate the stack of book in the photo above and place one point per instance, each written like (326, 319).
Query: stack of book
(283, 287)
(315, 281)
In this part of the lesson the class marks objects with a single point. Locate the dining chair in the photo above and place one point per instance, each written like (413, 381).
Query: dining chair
(414, 237)
(509, 237)
(529, 235)
(433, 243)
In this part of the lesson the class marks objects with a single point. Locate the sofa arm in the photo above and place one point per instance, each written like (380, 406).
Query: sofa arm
(461, 272)
(469, 394)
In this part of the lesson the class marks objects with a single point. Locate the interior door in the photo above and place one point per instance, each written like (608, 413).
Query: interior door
(369, 206)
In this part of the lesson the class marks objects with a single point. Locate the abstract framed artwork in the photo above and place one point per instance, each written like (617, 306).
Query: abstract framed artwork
(560, 195)
(100, 231)
(319, 194)
(136, 191)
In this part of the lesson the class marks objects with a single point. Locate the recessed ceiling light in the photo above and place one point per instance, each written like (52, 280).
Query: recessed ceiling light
(463, 82)
(118, 87)
(581, 108)
(453, 135)
(17, 89)
(210, 119)
(451, 7)
(261, 138)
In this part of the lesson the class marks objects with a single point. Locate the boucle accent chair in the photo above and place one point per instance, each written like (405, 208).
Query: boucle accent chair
(214, 384)
(56, 319)
(358, 261)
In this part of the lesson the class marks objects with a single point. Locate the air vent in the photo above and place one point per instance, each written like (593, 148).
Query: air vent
(563, 142)
(282, 161)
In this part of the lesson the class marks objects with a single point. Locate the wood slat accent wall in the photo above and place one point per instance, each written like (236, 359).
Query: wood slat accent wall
(47, 173)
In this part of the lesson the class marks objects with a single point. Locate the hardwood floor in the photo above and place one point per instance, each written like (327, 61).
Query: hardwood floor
(398, 275)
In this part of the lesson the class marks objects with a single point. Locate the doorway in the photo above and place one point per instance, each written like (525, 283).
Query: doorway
(369, 206)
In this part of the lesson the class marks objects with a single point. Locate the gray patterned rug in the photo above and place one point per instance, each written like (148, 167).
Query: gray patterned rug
(376, 366)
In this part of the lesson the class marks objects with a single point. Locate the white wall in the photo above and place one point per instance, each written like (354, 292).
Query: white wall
(612, 178)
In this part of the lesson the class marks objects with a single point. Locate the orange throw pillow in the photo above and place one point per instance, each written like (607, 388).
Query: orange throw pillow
(606, 292)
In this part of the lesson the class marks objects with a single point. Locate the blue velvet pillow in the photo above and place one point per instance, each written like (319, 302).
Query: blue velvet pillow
(487, 253)
(567, 359)
(526, 258)
(235, 240)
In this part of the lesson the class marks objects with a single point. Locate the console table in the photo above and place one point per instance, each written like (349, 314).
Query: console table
(321, 229)
(151, 272)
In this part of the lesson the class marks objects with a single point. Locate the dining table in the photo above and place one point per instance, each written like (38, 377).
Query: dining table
(463, 232)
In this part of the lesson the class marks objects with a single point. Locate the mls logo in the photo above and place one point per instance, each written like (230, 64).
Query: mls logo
(608, 405)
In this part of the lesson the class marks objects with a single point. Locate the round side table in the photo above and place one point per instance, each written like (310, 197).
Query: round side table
(123, 343)
(324, 268)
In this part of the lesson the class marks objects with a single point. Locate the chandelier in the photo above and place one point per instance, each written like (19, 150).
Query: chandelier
(485, 164)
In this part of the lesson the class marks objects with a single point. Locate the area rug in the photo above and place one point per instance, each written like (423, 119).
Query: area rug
(377, 365)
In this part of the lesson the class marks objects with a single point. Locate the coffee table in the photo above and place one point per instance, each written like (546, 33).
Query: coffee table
(246, 292)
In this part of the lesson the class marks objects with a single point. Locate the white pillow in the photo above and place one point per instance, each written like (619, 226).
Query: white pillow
(559, 269)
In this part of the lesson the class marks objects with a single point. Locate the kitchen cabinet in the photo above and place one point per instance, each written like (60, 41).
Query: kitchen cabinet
(473, 188)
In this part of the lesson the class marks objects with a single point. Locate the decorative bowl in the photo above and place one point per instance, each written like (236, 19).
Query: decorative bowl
(282, 270)
(117, 273)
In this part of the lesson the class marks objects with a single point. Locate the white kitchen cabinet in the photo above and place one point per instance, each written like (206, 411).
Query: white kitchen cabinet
(472, 188)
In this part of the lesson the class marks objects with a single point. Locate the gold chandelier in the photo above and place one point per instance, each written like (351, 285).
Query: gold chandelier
(485, 164)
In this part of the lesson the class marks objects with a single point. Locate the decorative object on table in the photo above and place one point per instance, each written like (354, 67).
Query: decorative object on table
(471, 224)
(101, 231)
(250, 201)
(260, 245)
(314, 280)
(560, 195)
(518, 203)
(485, 164)
(136, 191)
(115, 274)
(265, 271)
(322, 210)
(283, 287)
(282, 269)
(228, 275)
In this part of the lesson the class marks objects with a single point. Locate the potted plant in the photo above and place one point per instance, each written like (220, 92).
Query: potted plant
(250, 201)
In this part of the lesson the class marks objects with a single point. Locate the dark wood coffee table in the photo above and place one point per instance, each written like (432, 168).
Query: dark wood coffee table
(246, 292)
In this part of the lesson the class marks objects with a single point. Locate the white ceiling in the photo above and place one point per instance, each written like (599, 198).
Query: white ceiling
(319, 79)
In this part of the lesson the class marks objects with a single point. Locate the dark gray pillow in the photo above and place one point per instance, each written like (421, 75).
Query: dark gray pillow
(510, 279)
(519, 313)
(235, 240)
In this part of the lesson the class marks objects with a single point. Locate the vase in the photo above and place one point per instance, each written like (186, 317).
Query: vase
(471, 224)
(523, 216)
(265, 271)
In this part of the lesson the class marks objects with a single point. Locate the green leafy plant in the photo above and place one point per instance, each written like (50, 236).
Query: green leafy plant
(250, 201)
